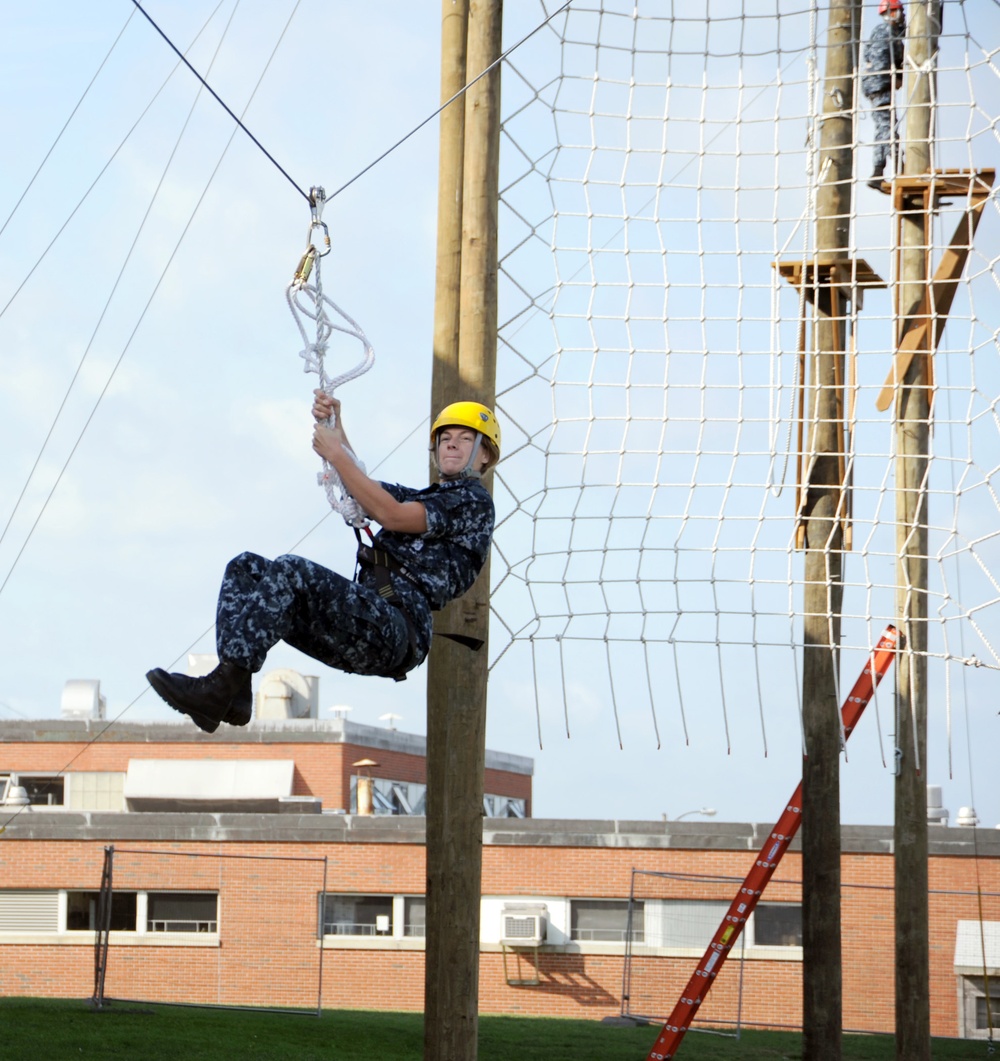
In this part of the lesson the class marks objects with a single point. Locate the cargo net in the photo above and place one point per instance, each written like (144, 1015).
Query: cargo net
(658, 167)
(206, 929)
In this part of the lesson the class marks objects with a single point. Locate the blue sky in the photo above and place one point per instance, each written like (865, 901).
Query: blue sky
(166, 336)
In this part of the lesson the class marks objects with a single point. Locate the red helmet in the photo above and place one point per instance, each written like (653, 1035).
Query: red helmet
(890, 5)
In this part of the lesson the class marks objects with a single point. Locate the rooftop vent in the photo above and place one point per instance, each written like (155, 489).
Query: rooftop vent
(81, 699)
(285, 693)
(936, 813)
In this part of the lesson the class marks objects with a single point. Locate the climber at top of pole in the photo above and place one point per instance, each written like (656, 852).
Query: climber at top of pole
(883, 74)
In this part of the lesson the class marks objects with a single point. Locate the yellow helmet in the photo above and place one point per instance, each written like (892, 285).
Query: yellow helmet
(468, 414)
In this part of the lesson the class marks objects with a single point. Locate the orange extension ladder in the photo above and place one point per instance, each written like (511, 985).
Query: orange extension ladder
(756, 880)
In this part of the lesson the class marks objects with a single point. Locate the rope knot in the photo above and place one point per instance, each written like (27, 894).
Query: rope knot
(307, 302)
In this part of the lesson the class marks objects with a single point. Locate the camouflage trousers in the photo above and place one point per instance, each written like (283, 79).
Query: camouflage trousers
(321, 613)
(883, 118)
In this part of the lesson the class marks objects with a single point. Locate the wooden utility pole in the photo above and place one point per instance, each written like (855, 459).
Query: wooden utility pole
(444, 378)
(823, 514)
(456, 680)
(913, 428)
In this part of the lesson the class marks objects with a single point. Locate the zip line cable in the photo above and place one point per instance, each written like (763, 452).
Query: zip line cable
(98, 736)
(149, 301)
(104, 169)
(240, 124)
(220, 101)
(399, 143)
(128, 707)
(447, 103)
(58, 413)
(72, 113)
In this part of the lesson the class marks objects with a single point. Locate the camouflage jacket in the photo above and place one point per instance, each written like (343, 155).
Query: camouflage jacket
(883, 57)
(444, 561)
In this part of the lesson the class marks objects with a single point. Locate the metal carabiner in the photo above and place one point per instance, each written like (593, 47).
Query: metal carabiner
(317, 200)
(305, 266)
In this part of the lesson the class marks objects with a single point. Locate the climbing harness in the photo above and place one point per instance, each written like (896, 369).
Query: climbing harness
(383, 565)
(307, 301)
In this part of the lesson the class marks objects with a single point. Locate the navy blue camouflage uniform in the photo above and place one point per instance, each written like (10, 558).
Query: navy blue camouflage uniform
(883, 56)
(349, 625)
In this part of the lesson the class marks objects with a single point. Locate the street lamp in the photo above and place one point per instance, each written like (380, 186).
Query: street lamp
(708, 812)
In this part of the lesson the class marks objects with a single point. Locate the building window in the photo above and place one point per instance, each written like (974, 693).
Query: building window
(504, 807)
(777, 925)
(979, 1019)
(393, 797)
(96, 790)
(87, 790)
(81, 911)
(683, 923)
(29, 910)
(415, 916)
(605, 920)
(984, 1012)
(43, 791)
(357, 915)
(182, 912)
(410, 797)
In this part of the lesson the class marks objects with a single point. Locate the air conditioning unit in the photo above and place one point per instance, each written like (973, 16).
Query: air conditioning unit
(523, 924)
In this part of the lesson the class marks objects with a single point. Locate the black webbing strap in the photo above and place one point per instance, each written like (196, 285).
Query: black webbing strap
(372, 559)
(384, 565)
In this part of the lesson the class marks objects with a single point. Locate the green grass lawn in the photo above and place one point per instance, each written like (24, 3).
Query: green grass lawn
(60, 1030)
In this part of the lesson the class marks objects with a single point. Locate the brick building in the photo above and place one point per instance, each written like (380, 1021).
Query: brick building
(223, 846)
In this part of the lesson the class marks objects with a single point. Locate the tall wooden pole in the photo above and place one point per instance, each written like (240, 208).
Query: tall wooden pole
(456, 680)
(913, 420)
(823, 512)
(438, 992)
(454, 30)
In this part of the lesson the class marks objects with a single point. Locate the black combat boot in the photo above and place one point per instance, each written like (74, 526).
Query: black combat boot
(222, 696)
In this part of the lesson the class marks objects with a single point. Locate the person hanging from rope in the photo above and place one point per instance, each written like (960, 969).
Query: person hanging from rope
(883, 73)
(432, 544)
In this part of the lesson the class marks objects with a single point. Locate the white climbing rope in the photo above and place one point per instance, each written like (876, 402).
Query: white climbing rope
(307, 301)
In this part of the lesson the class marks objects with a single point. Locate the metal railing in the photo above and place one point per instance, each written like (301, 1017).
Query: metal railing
(180, 925)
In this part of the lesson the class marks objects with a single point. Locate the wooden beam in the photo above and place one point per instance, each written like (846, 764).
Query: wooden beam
(936, 301)
(816, 272)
